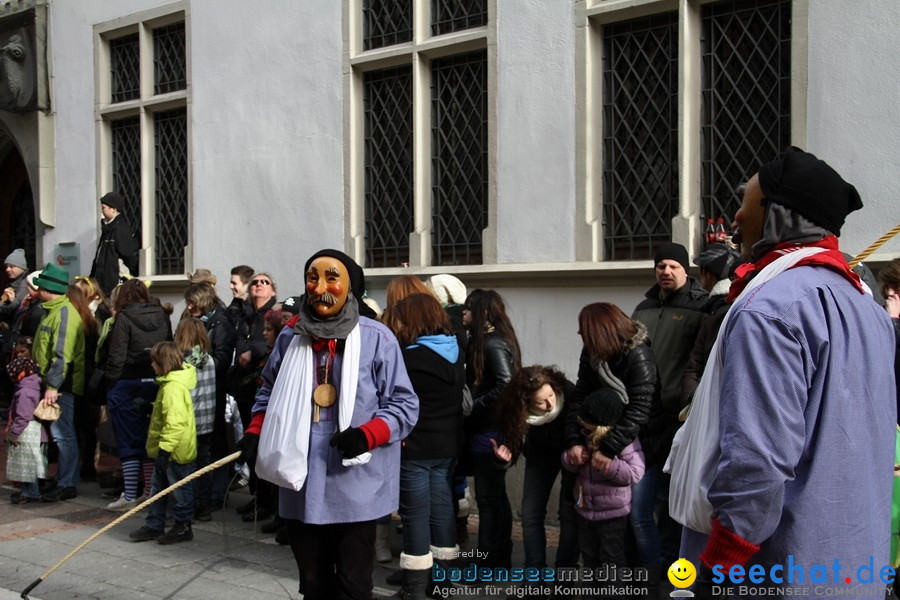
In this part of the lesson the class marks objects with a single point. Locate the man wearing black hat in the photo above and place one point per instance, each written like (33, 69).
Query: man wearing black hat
(803, 469)
(116, 243)
(717, 265)
(334, 404)
(672, 311)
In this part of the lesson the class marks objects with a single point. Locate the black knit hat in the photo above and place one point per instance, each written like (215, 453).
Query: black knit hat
(720, 260)
(357, 278)
(601, 407)
(114, 200)
(672, 251)
(809, 187)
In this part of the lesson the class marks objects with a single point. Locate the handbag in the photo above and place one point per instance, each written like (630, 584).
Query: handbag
(47, 412)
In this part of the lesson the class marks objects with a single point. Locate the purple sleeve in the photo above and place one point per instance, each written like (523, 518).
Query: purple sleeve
(270, 371)
(761, 423)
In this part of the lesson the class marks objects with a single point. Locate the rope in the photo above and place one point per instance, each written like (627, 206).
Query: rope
(219, 463)
(875, 246)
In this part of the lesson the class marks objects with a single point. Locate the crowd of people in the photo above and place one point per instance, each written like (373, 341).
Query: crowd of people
(707, 424)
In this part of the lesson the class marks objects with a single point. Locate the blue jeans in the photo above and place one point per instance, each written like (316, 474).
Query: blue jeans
(643, 503)
(130, 402)
(494, 512)
(426, 505)
(66, 438)
(184, 496)
(540, 474)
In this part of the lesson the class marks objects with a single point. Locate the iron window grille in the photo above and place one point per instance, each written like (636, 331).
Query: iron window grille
(171, 190)
(124, 63)
(459, 159)
(640, 135)
(386, 22)
(388, 113)
(126, 168)
(448, 16)
(169, 63)
(746, 50)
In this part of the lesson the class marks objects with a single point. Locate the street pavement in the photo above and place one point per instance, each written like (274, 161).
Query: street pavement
(227, 559)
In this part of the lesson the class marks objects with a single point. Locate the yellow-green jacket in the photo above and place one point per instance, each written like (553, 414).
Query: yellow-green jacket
(59, 347)
(172, 426)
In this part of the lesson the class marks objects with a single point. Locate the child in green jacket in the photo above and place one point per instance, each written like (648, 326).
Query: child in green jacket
(172, 442)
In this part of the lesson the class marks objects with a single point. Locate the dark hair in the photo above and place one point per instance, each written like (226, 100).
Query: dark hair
(415, 316)
(243, 271)
(167, 356)
(191, 332)
(889, 276)
(132, 291)
(604, 329)
(514, 404)
(82, 304)
(203, 296)
(489, 318)
(274, 318)
(403, 287)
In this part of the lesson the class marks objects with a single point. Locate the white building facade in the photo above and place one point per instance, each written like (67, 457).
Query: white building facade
(542, 148)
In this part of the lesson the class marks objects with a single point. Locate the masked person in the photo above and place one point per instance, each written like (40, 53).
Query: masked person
(806, 421)
(334, 403)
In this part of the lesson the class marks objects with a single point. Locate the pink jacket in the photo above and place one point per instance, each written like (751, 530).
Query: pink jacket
(600, 497)
(25, 400)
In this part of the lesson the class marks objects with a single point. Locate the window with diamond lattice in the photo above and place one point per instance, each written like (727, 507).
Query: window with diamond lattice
(169, 65)
(388, 110)
(171, 191)
(124, 62)
(448, 16)
(746, 97)
(386, 22)
(459, 157)
(640, 141)
(126, 168)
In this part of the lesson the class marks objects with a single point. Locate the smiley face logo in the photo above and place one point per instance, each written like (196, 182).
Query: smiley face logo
(682, 573)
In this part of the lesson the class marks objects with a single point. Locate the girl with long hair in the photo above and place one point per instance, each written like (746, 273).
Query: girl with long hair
(533, 408)
(493, 359)
(435, 366)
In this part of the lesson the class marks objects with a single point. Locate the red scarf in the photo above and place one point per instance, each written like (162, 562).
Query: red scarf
(831, 258)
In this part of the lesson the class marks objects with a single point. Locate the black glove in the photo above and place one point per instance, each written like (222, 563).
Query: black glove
(703, 587)
(248, 446)
(351, 442)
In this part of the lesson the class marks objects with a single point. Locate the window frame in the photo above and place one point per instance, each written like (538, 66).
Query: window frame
(418, 53)
(591, 15)
(145, 106)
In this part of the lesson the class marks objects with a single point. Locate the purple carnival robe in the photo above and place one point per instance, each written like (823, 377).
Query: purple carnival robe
(334, 493)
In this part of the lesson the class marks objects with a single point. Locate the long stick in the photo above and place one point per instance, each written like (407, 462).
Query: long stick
(219, 463)
(875, 246)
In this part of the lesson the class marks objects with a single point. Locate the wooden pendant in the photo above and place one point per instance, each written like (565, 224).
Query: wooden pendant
(324, 395)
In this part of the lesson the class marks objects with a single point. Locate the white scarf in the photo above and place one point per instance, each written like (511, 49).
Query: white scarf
(284, 438)
(694, 458)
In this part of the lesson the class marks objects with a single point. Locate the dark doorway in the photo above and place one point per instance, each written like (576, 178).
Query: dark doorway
(17, 222)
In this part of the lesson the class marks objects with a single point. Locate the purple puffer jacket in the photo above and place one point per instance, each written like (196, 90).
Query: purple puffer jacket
(25, 400)
(600, 497)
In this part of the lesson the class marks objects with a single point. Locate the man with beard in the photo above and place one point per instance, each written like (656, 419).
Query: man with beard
(335, 402)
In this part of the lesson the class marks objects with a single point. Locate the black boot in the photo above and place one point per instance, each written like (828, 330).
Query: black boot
(416, 575)
(445, 559)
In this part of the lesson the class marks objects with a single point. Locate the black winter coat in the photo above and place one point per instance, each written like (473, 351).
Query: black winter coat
(498, 370)
(643, 417)
(116, 241)
(547, 442)
(438, 384)
(137, 328)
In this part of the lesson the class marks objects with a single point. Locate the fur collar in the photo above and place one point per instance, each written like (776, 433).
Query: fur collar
(638, 338)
